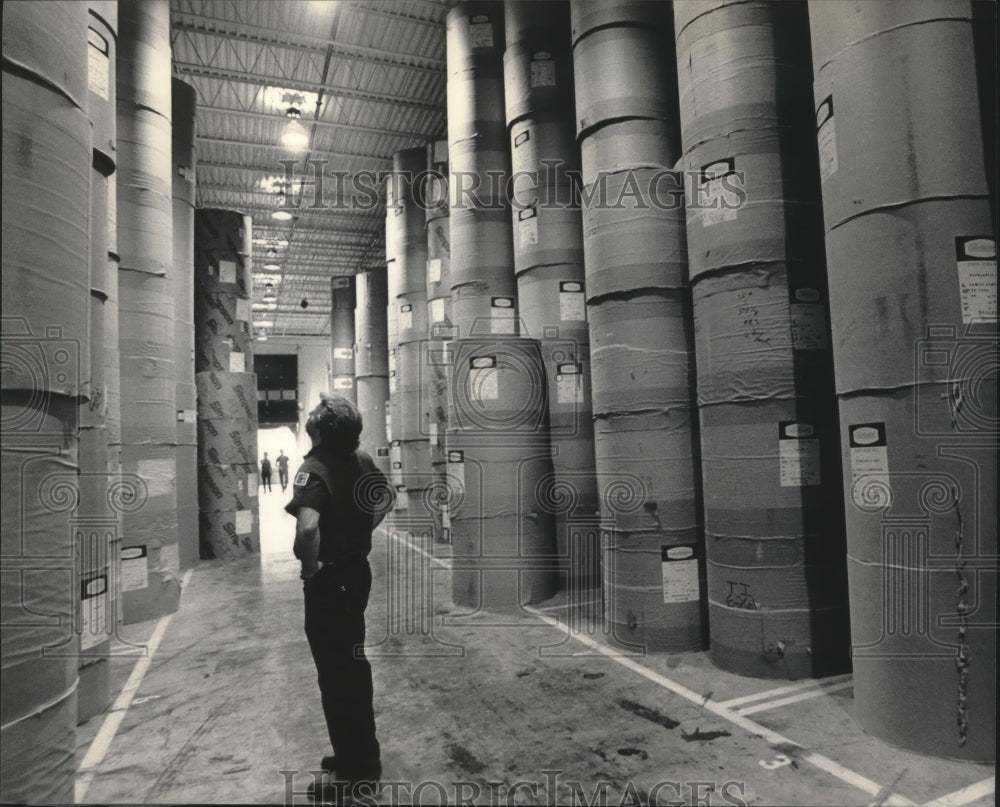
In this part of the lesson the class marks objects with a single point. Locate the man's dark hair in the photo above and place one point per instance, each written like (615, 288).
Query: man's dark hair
(336, 424)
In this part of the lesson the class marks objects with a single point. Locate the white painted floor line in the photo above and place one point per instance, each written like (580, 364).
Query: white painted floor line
(785, 690)
(966, 795)
(817, 760)
(446, 564)
(112, 722)
(813, 692)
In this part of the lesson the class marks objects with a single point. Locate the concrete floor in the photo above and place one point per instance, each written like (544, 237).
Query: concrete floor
(222, 707)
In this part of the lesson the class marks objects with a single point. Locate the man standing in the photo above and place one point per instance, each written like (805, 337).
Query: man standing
(282, 462)
(265, 473)
(339, 496)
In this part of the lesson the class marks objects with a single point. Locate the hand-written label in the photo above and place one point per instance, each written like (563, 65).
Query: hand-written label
(134, 568)
(869, 464)
(543, 72)
(826, 136)
(798, 455)
(572, 302)
(679, 570)
(977, 279)
(481, 34)
(808, 326)
(749, 314)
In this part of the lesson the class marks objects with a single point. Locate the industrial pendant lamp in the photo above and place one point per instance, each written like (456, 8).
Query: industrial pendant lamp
(294, 135)
(280, 214)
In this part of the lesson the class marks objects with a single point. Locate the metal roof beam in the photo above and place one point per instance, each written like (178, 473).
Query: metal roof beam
(213, 26)
(276, 118)
(240, 76)
(221, 141)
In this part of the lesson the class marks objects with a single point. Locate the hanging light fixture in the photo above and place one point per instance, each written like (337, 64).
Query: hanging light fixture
(280, 213)
(269, 295)
(294, 135)
(272, 267)
(262, 335)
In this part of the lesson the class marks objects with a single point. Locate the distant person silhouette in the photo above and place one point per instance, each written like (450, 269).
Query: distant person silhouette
(282, 462)
(265, 473)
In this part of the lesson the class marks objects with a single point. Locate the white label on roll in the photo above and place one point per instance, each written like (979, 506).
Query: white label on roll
(405, 317)
(159, 476)
(344, 353)
(432, 433)
(456, 469)
(679, 569)
(437, 310)
(977, 278)
(244, 522)
(93, 610)
(446, 355)
(402, 498)
(446, 519)
(481, 34)
(243, 310)
(572, 304)
(869, 464)
(527, 228)
(808, 326)
(716, 200)
(170, 557)
(543, 71)
(98, 64)
(227, 271)
(484, 384)
(237, 362)
(826, 137)
(134, 568)
(569, 384)
(252, 485)
(434, 270)
(343, 382)
(502, 315)
(187, 416)
(798, 455)
(392, 381)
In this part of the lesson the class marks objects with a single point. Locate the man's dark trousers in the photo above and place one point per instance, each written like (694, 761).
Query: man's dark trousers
(335, 601)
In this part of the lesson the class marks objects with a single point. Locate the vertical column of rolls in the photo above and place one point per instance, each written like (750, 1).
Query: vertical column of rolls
(96, 530)
(44, 379)
(342, 304)
(226, 386)
(774, 538)
(913, 300)
(372, 363)
(548, 259)
(440, 330)
(149, 554)
(638, 309)
(183, 178)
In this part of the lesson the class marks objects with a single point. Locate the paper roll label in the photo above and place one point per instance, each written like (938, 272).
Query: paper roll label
(481, 34)
(244, 522)
(437, 310)
(543, 73)
(187, 416)
(93, 610)
(808, 326)
(679, 573)
(344, 353)
(402, 498)
(456, 469)
(243, 310)
(869, 463)
(343, 382)
(237, 362)
(484, 384)
(826, 136)
(227, 271)
(572, 302)
(569, 389)
(392, 382)
(252, 484)
(798, 455)
(977, 278)
(527, 228)
(714, 198)
(432, 433)
(405, 317)
(134, 568)
(434, 270)
(502, 315)
(98, 64)
(159, 475)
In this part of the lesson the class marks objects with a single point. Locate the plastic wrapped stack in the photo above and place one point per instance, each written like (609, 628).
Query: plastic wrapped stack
(342, 303)
(45, 379)
(227, 387)
(406, 240)
(548, 259)
(184, 105)
(773, 532)
(915, 348)
(640, 327)
(371, 363)
(440, 330)
(147, 308)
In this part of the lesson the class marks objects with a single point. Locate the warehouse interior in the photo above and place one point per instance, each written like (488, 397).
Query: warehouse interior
(673, 328)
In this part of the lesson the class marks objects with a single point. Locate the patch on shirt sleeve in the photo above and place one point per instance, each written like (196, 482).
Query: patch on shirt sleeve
(301, 479)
